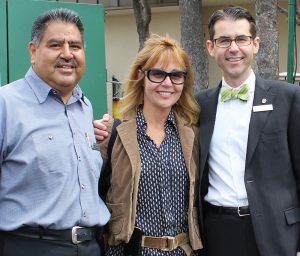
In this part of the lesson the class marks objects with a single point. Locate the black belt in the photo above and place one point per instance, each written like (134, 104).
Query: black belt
(75, 235)
(239, 211)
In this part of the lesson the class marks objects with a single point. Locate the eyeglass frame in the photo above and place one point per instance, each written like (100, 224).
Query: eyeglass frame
(169, 74)
(231, 40)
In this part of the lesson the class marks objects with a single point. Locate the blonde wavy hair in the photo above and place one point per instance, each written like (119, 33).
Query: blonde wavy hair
(159, 48)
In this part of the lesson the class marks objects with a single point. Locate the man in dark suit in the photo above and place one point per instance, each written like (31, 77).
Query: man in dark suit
(250, 149)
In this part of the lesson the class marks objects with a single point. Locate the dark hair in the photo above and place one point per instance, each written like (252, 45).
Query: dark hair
(61, 14)
(234, 13)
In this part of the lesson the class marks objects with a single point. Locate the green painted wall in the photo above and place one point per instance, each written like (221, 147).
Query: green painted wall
(3, 43)
(21, 14)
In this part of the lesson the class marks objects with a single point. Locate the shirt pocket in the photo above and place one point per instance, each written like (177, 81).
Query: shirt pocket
(54, 152)
(292, 215)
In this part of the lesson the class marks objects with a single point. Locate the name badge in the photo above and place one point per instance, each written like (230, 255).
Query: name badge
(261, 108)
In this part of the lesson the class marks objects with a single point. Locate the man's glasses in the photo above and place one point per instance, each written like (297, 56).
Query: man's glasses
(157, 75)
(225, 42)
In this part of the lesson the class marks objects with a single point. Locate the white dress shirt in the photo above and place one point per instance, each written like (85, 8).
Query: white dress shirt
(228, 148)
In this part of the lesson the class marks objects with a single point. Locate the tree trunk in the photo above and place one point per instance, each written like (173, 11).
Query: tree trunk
(142, 13)
(192, 40)
(268, 56)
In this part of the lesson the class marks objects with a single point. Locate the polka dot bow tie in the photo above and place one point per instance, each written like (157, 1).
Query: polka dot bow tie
(228, 93)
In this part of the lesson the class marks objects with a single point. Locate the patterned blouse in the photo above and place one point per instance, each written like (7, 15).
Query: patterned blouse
(162, 203)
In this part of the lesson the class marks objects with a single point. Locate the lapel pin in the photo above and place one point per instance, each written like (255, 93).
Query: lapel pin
(264, 101)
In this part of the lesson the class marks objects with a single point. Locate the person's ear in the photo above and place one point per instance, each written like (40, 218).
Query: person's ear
(32, 51)
(210, 47)
(256, 42)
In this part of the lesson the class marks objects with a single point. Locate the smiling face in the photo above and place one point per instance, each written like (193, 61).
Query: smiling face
(162, 96)
(59, 59)
(234, 61)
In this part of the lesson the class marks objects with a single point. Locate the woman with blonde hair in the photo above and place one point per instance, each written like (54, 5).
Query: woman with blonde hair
(154, 160)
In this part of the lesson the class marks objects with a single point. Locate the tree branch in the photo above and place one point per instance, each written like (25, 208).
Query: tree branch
(285, 12)
(147, 10)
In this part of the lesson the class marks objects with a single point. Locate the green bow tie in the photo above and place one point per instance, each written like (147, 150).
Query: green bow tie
(228, 94)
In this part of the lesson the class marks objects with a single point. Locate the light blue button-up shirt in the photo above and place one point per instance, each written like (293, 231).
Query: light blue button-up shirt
(48, 170)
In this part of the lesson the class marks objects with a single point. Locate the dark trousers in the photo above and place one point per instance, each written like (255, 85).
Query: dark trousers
(229, 235)
(14, 245)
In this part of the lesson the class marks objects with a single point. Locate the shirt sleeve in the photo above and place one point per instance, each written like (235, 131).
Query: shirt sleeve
(294, 138)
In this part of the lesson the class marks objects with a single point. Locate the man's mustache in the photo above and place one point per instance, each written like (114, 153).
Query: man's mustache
(63, 62)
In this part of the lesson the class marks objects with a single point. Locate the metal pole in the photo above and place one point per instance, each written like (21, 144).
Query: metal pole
(291, 41)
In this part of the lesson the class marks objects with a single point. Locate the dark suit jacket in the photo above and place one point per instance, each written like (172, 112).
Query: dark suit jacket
(272, 168)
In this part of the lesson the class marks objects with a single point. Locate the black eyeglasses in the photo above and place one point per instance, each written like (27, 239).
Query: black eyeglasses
(157, 75)
(225, 42)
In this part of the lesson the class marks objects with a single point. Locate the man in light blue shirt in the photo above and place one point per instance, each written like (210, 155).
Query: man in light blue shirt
(49, 203)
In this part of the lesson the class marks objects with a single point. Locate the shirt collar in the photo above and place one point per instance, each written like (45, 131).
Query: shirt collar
(250, 81)
(169, 124)
(78, 95)
(141, 121)
(39, 87)
(42, 89)
(171, 120)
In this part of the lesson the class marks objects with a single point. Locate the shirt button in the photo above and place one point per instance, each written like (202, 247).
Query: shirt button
(50, 137)
(82, 186)
(84, 214)
(79, 158)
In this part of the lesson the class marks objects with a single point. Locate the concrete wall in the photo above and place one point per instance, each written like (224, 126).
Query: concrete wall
(121, 38)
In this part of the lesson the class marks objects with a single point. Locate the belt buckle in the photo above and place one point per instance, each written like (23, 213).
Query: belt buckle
(171, 243)
(239, 212)
(74, 235)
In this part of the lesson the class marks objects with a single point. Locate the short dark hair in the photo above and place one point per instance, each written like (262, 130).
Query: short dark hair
(234, 13)
(60, 14)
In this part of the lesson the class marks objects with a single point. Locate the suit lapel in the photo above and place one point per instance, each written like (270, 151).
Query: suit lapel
(207, 121)
(186, 136)
(128, 135)
(258, 119)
